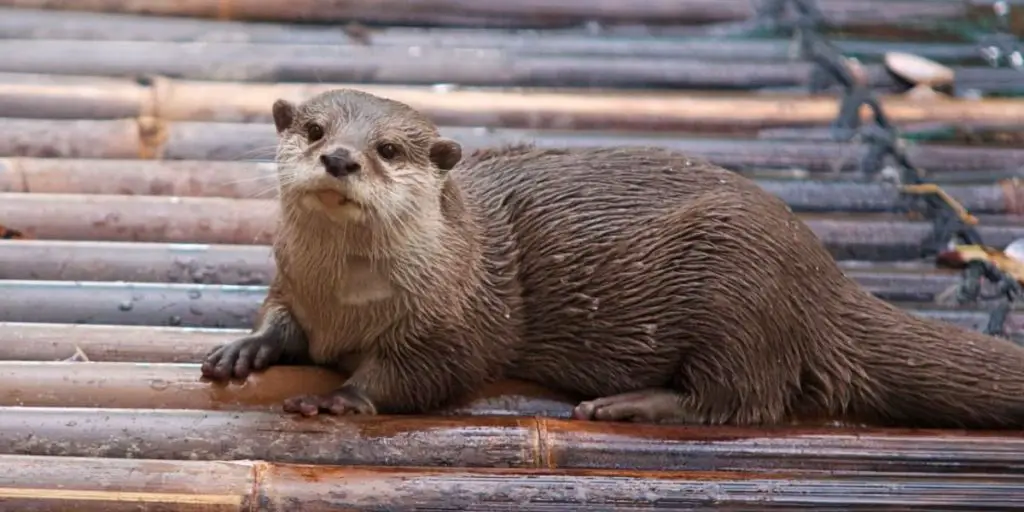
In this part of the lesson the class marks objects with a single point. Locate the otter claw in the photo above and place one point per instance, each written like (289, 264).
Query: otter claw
(240, 358)
(346, 400)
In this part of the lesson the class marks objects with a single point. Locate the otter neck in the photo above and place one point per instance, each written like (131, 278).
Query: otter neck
(412, 252)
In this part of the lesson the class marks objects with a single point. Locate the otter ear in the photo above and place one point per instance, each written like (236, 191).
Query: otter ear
(284, 115)
(445, 153)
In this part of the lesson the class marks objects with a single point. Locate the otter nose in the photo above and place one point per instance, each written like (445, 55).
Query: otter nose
(339, 163)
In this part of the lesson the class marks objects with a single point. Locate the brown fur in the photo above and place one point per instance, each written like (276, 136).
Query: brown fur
(656, 286)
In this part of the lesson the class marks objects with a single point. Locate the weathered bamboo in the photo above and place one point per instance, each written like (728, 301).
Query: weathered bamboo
(180, 386)
(256, 180)
(141, 218)
(254, 62)
(45, 24)
(490, 13)
(62, 260)
(189, 178)
(498, 441)
(230, 306)
(252, 265)
(210, 220)
(100, 343)
(76, 97)
(155, 386)
(149, 139)
(113, 485)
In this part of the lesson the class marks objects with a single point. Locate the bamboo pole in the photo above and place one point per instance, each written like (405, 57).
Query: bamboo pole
(480, 441)
(112, 485)
(257, 180)
(135, 385)
(255, 62)
(189, 178)
(149, 139)
(230, 306)
(214, 220)
(62, 260)
(77, 97)
(253, 265)
(490, 13)
(106, 343)
(46, 24)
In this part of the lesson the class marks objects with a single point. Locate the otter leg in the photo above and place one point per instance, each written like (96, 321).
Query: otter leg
(407, 377)
(278, 339)
(653, 405)
(344, 400)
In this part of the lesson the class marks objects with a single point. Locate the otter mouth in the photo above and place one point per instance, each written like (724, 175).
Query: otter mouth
(333, 198)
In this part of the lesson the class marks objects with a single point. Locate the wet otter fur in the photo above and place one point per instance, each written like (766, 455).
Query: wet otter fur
(655, 286)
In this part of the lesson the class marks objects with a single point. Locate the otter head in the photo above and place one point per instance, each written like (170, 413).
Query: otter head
(356, 157)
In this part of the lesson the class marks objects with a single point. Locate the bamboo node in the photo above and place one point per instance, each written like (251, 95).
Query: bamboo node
(12, 176)
(152, 137)
(542, 458)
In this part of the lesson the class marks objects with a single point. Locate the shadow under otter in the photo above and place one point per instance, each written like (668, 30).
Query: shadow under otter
(655, 286)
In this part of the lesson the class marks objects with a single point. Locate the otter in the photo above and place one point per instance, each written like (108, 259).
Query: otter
(652, 285)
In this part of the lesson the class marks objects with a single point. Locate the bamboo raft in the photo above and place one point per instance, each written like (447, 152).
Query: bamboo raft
(137, 189)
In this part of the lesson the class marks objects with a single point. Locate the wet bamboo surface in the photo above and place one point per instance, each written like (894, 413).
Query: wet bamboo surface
(144, 385)
(233, 306)
(217, 220)
(65, 25)
(257, 180)
(147, 138)
(480, 441)
(44, 96)
(97, 484)
(492, 13)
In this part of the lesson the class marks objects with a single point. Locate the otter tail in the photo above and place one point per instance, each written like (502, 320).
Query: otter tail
(929, 373)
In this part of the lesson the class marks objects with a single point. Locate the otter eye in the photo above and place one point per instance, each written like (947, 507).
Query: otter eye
(387, 150)
(314, 132)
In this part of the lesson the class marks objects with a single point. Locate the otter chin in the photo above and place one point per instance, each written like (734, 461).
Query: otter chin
(334, 204)
(654, 286)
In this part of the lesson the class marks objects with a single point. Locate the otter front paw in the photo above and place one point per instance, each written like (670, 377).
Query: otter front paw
(345, 400)
(241, 357)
